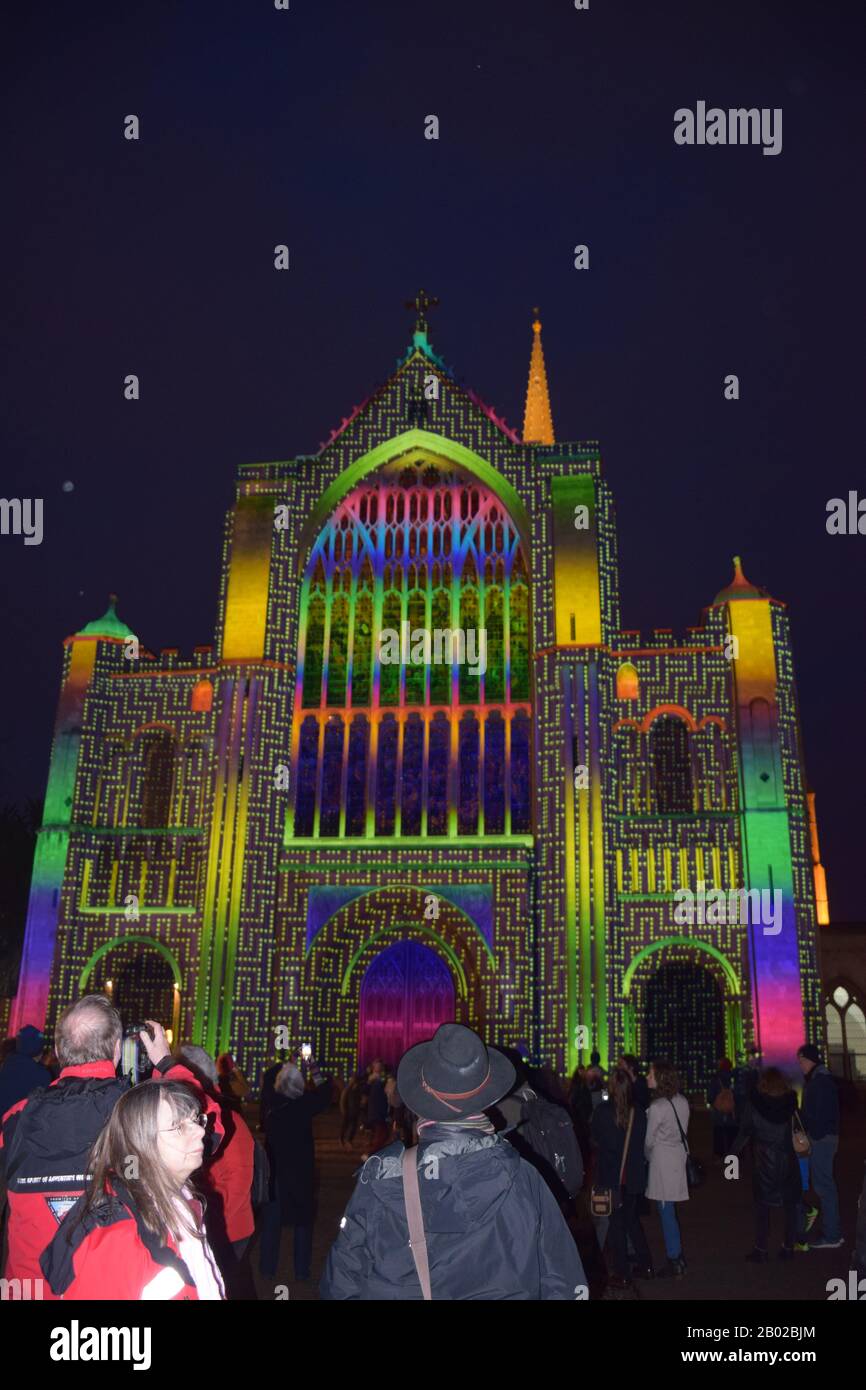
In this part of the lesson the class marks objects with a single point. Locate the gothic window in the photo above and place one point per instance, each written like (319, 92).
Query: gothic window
(670, 757)
(407, 721)
(846, 1035)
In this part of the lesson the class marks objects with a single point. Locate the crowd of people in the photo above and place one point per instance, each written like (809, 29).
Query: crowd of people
(476, 1167)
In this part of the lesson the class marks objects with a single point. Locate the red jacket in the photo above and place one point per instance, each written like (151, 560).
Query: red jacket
(115, 1257)
(227, 1178)
(45, 1162)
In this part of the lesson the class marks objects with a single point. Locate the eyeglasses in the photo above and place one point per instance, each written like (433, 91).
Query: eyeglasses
(186, 1126)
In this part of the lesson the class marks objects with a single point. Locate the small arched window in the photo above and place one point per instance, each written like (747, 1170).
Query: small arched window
(627, 683)
(671, 761)
(202, 697)
(846, 1035)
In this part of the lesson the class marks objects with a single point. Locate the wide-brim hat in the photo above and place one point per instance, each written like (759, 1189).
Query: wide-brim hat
(453, 1074)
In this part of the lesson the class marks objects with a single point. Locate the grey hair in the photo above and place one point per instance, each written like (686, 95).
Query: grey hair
(88, 1031)
(289, 1082)
(200, 1060)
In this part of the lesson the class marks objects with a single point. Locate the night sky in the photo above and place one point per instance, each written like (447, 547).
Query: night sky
(306, 127)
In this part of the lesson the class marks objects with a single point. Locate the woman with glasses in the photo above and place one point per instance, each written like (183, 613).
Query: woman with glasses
(137, 1232)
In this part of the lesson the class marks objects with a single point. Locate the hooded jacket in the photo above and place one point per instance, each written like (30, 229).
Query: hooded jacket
(775, 1170)
(493, 1229)
(44, 1144)
(111, 1255)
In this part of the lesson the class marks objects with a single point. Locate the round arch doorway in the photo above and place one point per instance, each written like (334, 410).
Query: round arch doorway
(406, 993)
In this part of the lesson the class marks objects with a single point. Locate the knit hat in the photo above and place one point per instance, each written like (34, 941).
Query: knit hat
(810, 1052)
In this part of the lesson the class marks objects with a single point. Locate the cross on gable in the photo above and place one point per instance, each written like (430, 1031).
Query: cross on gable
(421, 302)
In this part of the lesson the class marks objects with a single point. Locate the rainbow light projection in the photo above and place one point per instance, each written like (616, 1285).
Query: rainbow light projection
(287, 830)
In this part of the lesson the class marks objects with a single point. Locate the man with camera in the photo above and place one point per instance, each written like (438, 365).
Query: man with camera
(45, 1140)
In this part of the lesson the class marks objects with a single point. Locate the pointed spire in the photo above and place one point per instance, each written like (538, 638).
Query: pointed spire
(421, 303)
(537, 420)
(739, 586)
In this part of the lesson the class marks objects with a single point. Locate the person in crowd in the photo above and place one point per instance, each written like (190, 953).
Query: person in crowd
(137, 1232)
(745, 1078)
(640, 1090)
(267, 1094)
(543, 1133)
(22, 1072)
(493, 1229)
(619, 1128)
(580, 1105)
(45, 1139)
(821, 1121)
(350, 1110)
(292, 1152)
(665, 1147)
(226, 1178)
(232, 1082)
(766, 1123)
(595, 1086)
(377, 1107)
(721, 1100)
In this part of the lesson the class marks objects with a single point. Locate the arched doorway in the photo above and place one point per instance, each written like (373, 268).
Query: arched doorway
(406, 993)
(685, 1021)
(139, 980)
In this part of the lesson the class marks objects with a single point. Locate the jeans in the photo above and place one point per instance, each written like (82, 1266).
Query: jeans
(671, 1229)
(821, 1170)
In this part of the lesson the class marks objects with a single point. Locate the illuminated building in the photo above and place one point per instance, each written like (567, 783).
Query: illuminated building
(288, 831)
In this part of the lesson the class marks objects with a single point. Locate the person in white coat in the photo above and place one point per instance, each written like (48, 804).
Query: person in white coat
(665, 1147)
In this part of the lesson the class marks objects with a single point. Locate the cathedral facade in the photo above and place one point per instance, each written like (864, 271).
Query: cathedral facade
(424, 773)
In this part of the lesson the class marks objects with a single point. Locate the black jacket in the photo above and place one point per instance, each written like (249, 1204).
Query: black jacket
(289, 1131)
(820, 1104)
(609, 1141)
(775, 1170)
(494, 1231)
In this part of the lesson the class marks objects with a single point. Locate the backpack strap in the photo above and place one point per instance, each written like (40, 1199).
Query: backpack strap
(417, 1238)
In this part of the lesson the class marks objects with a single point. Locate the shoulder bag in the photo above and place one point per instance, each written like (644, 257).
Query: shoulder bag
(605, 1200)
(694, 1170)
(802, 1142)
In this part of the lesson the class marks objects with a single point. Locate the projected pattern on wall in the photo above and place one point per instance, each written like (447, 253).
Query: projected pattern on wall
(266, 820)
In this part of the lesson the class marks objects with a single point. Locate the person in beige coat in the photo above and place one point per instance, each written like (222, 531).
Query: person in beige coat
(666, 1150)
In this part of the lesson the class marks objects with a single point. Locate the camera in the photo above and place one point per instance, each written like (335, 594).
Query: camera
(135, 1064)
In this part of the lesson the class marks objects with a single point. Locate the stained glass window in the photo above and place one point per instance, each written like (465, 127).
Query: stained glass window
(415, 619)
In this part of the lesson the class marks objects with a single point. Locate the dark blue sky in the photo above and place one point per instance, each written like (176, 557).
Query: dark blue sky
(556, 128)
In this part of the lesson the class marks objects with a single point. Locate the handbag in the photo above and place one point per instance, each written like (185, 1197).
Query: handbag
(694, 1170)
(417, 1237)
(801, 1141)
(604, 1200)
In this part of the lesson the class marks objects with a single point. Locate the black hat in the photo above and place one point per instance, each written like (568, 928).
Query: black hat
(453, 1075)
(810, 1052)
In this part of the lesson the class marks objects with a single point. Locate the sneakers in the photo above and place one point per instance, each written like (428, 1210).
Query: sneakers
(757, 1257)
(802, 1247)
(822, 1243)
(672, 1269)
(811, 1218)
